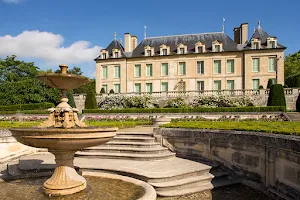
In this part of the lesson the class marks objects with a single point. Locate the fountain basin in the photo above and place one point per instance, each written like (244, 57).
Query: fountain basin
(63, 143)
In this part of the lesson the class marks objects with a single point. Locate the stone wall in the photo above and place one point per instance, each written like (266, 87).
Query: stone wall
(260, 97)
(265, 161)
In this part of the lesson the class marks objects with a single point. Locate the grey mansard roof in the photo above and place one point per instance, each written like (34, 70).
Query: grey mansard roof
(262, 35)
(115, 44)
(189, 40)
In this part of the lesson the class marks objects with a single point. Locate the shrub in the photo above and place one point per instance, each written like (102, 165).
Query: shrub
(71, 101)
(261, 87)
(90, 101)
(270, 83)
(102, 91)
(33, 106)
(111, 91)
(112, 102)
(285, 86)
(142, 101)
(298, 104)
(276, 96)
(179, 102)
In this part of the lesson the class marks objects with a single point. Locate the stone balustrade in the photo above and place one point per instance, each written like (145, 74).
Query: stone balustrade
(260, 96)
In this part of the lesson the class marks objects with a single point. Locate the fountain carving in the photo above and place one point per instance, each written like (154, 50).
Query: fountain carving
(63, 134)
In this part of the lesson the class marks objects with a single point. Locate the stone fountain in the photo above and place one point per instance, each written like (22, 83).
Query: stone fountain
(63, 134)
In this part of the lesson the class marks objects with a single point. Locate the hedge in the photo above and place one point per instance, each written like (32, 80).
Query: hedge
(33, 106)
(191, 110)
(24, 112)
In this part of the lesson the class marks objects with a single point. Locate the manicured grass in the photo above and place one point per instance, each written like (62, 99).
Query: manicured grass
(10, 124)
(119, 124)
(288, 128)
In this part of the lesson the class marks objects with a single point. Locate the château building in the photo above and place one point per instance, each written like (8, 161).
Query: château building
(191, 62)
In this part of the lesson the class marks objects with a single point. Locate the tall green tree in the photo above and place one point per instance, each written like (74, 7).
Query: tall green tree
(13, 70)
(74, 70)
(292, 70)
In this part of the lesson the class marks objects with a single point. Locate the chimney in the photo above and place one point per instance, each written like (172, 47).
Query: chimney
(244, 33)
(134, 41)
(127, 42)
(237, 35)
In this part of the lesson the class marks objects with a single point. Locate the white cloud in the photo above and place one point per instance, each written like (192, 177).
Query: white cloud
(47, 47)
(12, 1)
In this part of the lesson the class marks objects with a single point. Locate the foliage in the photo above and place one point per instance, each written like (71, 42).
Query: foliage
(12, 124)
(74, 70)
(261, 87)
(178, 102)
(71, 101)
(34, 106)
(119, 124)
(292, 70)
(191, 110)
(27, 92)
(90, 101)
(102, 91)
(276, 96)
(111, 91)
(112, 102)
(13, 70)
(298, 104)
(288, 128)
(85, 88)
(270, 83)
(221, 101)
(25, 112)
(142, 101)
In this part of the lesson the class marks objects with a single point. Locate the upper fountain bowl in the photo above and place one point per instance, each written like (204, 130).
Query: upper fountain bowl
(63, 80)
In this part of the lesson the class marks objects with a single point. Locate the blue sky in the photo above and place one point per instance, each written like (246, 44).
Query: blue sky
(73, 32)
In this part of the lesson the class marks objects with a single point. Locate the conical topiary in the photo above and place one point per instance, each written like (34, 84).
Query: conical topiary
(111, 91)
(298, 104)
(276, 96)
(270, 83)
(90, 101)
(71, 101)
(102, 91)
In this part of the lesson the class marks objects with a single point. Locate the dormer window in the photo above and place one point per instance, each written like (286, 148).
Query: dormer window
(272, 42)
(255, 43)
(199, 47)
(149, 51)
(103, 54)
(164, 50)
(217, 46)
(181, 49)
(116, 53)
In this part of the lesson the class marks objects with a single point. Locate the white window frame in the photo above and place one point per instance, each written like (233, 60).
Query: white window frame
(140, 70)
(275, 64)
(119, 88)
(151, 67)
(161, 69)
(102, 70)
(258, 67)
(119, 68)
(227, 67)
(201, 67)
(167, 84)
(183, 70)
(220, 61)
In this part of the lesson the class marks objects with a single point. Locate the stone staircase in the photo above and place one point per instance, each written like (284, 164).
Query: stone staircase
(131, 146)
(185, 176)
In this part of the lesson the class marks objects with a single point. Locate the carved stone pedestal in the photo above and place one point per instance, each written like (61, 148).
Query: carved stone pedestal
(65, 180)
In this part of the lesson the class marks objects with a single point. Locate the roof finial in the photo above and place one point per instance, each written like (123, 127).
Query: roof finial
(254, 29)
(223, 26)
(145, 32)
(115, 36)
(258, 23)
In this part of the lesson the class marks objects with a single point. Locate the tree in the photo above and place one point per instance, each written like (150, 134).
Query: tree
(270, 83)
(298, 104)
(71, 101)
(90, 101)
(292, 70)
(85, 88)
(13, 70)
(276, 96)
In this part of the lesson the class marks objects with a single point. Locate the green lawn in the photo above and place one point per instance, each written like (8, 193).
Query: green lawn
(288, 128)
(119, 124)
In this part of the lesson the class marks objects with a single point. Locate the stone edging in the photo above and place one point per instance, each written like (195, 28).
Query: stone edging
(150, 193)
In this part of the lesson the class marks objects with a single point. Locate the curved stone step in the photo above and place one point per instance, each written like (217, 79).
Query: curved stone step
(125, 149)
(125, 156)
(185, 191)
(183, 181)
(132, 144)
(133, 139)
(183, 175)
(130, 134)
